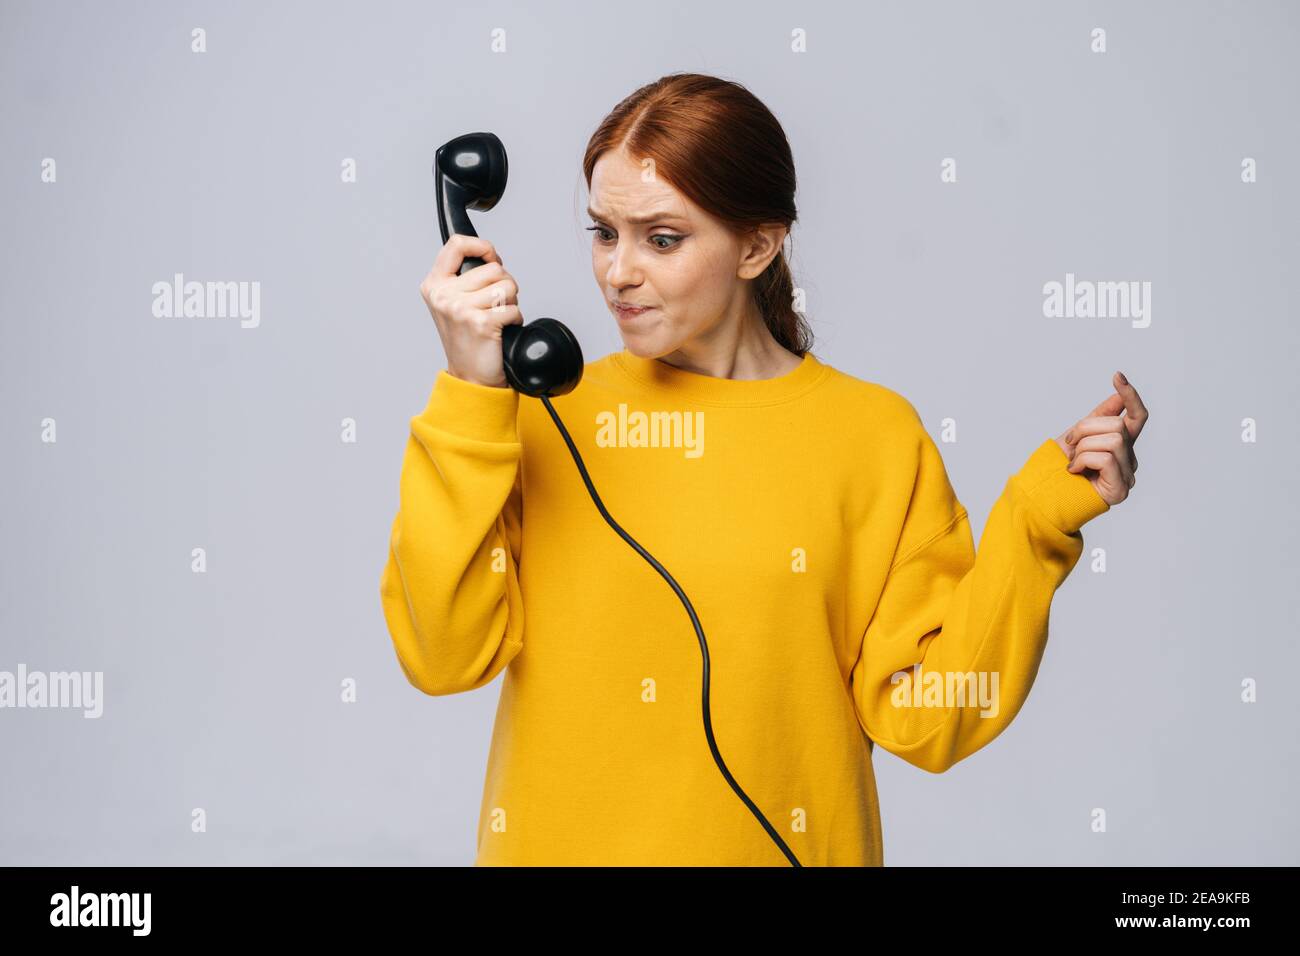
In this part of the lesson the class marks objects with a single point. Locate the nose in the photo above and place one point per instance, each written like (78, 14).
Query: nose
(622, 271)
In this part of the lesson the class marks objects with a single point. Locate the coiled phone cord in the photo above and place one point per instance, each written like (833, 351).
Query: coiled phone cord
(704, 647)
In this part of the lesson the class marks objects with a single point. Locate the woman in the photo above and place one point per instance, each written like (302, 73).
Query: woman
(807, 514)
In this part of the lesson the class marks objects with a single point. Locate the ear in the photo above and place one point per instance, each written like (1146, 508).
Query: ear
(759, 247)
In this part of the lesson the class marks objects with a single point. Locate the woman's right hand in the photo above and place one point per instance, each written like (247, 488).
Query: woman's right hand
(469, 310)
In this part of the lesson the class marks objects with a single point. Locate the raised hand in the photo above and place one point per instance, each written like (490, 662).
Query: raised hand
(1100, 445)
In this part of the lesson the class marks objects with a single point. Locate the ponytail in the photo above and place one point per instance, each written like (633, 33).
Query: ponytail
(774, 295)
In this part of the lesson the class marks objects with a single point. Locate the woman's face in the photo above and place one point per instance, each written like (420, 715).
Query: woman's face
(682, 263)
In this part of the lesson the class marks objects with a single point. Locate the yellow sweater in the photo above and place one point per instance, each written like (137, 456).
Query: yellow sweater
(811, 523)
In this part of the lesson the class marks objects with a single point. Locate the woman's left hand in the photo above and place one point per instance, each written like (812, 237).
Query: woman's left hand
(1100, 446)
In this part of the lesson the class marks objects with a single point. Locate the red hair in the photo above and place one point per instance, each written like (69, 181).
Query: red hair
(716, 143)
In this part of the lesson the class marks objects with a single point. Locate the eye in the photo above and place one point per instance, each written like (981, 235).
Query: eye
(673, 240)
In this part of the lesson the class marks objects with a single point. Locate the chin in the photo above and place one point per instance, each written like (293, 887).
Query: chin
(650, 344)
(642, 346)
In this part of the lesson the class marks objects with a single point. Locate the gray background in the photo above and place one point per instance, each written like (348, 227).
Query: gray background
(222, 689)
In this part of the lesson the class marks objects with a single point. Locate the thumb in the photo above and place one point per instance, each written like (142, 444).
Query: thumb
(1113, 404)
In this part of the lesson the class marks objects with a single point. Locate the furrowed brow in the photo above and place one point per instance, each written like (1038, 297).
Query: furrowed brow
(642, 219)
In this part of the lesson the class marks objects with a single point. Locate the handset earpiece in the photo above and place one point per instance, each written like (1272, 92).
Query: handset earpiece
(542, 357)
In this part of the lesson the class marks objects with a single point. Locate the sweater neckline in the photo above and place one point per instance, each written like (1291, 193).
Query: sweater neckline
(710, 390)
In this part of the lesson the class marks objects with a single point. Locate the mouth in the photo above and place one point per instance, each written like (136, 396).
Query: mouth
(629, 312)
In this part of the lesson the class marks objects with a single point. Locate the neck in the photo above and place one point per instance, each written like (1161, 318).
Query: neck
(741, 351)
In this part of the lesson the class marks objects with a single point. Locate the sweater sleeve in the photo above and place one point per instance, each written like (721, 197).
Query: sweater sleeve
(450, 587)
(965, 617)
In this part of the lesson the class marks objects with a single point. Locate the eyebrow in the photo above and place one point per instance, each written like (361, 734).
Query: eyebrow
(648, 217)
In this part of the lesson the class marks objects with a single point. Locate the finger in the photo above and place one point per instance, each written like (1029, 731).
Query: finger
(1112, 404)
(457, 249)
(484, 277)
(1133, 406)
(1111, 443)
(506, 315)
(1094, 425)
(1106, 467)
(477, 246)
(496, 297)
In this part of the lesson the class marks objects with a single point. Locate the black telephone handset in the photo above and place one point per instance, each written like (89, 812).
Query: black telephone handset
(541, 357)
